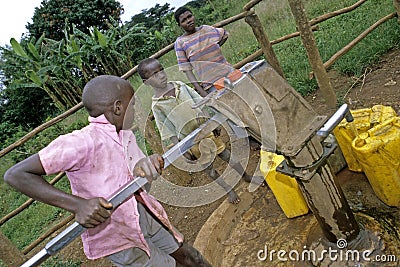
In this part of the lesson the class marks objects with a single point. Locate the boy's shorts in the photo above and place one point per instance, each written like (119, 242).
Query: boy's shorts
(160, 241)
(207, 147)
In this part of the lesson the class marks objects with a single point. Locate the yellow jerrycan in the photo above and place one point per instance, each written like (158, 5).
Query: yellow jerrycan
(378, 152)
(285, 188)
(364, 119)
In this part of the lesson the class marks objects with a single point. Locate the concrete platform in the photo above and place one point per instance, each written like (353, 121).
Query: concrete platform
(252, 232)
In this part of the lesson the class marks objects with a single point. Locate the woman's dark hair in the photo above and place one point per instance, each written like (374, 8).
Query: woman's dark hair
(180, 11)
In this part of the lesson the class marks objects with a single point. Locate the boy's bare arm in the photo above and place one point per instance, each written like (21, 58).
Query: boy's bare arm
(223, 40)
(26, 177)
(192, 78)
(174, 140)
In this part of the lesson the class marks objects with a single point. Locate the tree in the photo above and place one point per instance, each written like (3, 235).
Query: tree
(196, 4)
(152, 18)
(51, 16)
(22, 103)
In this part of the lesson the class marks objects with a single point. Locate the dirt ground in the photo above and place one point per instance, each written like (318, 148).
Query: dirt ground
(380, 84)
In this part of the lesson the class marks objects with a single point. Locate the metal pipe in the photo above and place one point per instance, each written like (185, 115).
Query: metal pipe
(326, 199)
(318, 183)
(342, 112)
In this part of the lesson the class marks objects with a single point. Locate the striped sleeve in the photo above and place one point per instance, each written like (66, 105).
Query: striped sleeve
(183, 61)
(223, 34)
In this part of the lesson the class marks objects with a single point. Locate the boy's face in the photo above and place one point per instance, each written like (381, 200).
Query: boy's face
(187, 21)
(156, 76)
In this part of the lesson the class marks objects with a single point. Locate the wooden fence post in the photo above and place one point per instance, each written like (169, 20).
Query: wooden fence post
(396, 4)
(314, 57)
(254, 21)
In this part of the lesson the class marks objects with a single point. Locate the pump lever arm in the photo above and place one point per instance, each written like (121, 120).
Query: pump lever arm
(340, 114)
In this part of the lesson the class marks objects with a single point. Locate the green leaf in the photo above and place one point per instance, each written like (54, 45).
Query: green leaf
(74, 44)
(21, 86)
(32, 49)
(40, 40)
(103, 41)
(34, 77)
(18, 48)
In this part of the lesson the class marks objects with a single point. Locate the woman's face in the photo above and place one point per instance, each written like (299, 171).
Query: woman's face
(187, 21)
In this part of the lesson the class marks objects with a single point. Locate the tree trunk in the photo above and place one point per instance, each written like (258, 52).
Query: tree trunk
(314, 57)
(263, 40)
(396, 4)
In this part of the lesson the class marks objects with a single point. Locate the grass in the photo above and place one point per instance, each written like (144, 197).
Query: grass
(34, 221)
(277, 20)
(57, 261)
(332, 35)
(369, 49)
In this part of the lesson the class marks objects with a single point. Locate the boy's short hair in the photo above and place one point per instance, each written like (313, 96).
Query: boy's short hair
(142, 67)
(180, 11)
